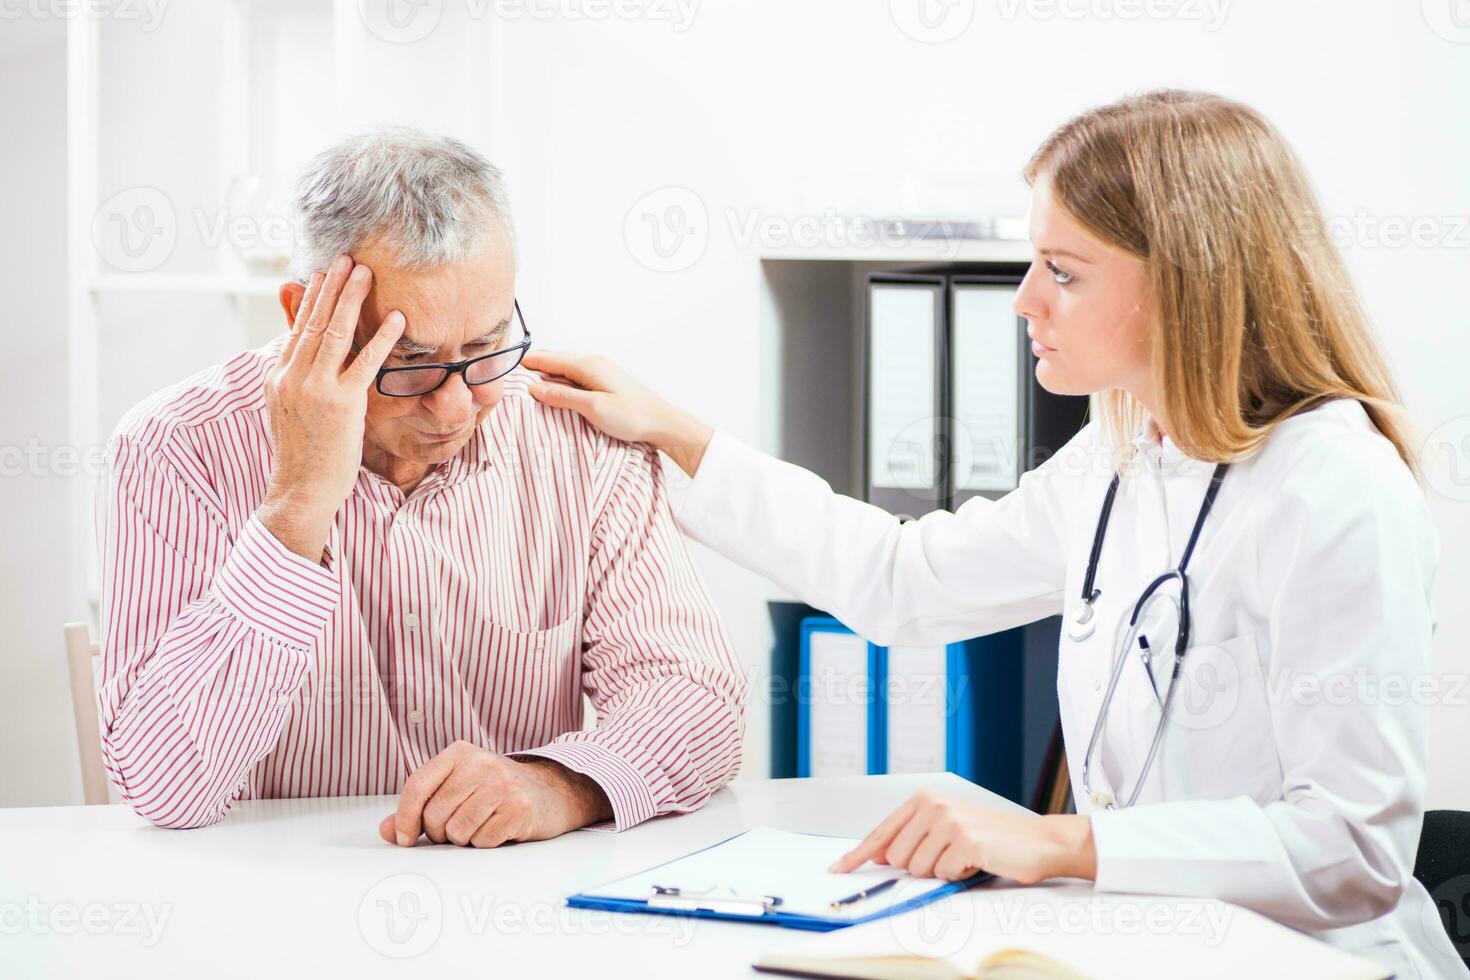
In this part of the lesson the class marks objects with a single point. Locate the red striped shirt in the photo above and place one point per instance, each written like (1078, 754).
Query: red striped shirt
(539, 563)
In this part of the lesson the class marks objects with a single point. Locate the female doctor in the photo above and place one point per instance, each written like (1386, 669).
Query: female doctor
(1236, 541)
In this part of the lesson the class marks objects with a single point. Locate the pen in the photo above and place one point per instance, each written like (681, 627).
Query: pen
(881, 886)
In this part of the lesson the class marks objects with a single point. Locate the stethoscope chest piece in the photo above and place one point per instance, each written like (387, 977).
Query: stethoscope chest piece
(1082, 622)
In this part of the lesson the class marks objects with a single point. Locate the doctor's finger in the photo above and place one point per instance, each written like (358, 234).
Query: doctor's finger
(877, 840)
(954, 863)
(906, 842)
(556, 395)
(926, 856)
(589, 371)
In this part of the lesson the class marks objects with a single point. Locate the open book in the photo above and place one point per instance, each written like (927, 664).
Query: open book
(1067, 932)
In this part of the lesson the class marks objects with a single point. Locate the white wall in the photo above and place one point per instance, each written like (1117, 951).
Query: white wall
(37, 746)
(761, 104)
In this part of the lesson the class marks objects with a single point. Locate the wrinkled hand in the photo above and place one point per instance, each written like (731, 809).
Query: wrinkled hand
(472, 797)
(608, 397)
(316, 401)
(936, 836)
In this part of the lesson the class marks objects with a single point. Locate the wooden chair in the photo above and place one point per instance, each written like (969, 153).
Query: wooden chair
(81, 657)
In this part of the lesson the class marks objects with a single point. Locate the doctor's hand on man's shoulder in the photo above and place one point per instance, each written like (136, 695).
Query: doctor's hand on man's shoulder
(470, 796)
(316, 401)
(613, 401)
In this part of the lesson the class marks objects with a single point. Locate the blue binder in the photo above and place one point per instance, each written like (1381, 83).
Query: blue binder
(787, 920)
(981, 707)
(981, 710)
(808, 689)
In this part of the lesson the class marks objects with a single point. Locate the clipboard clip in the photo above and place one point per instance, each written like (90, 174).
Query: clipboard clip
(723, 901)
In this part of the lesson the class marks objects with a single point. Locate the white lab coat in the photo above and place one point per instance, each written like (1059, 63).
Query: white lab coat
(1291, 776)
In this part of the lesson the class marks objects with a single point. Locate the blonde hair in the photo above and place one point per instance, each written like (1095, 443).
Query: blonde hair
(1255, 319)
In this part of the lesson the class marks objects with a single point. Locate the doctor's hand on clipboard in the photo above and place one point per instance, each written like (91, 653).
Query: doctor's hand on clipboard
(933, 835)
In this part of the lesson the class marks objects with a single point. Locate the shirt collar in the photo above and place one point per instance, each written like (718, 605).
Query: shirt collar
(1161, 452)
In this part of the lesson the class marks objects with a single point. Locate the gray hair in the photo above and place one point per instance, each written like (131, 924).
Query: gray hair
(429, 199)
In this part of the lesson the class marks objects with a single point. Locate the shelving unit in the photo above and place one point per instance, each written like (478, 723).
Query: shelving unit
(811, 357)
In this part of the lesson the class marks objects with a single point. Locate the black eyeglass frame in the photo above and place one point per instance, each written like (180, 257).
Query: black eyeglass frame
(452, 368)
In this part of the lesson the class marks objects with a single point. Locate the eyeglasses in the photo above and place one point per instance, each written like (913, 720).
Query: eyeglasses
(414, 380)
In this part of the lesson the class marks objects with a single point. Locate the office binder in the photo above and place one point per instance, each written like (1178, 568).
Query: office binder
(951, 406)
(989, 375)
(955, 708)
(904, 429)
(839, 721)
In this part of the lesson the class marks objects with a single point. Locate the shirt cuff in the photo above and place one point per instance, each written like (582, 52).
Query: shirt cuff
(1156, 849)
(274, 590)
(633, 790)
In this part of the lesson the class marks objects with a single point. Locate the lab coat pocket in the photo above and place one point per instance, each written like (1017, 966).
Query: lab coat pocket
(1220, 741)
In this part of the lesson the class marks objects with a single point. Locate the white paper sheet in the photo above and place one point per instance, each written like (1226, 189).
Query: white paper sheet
(765, 861)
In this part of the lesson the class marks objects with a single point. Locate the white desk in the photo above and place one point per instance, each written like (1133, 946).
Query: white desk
(287, 888)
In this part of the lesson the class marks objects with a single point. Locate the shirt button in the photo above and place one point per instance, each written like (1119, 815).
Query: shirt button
(416, 716)
(411, 620)
(284, 701)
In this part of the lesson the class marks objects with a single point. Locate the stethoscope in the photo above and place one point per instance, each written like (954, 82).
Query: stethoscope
(1082, 622)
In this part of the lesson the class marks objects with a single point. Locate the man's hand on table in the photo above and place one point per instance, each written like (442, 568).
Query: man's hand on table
(470, 796)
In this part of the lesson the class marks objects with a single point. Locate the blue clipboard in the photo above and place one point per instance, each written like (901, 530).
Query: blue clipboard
(771, 916)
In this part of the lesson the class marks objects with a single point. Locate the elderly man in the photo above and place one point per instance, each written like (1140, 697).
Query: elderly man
(364, 560)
